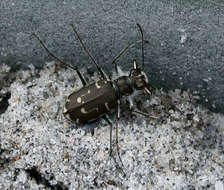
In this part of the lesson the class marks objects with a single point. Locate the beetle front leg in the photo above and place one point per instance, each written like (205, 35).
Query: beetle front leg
(131, 103)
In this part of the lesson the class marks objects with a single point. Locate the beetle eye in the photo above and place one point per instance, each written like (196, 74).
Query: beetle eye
(140, 83)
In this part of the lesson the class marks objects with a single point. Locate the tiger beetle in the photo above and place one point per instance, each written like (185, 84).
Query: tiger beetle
(95, 100)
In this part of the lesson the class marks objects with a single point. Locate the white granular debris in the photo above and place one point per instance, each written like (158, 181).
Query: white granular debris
(40, 149)
(219, 185)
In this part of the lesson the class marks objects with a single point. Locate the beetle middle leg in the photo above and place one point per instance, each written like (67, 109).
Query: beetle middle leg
(105, 117)
(116, 133)
(111, 149)
(111, 133)
(118, 118)
(136, 111)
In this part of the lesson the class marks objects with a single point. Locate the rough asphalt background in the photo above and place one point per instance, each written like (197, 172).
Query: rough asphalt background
(186, 38)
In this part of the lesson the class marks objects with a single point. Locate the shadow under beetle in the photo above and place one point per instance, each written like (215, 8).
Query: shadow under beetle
(95, 100)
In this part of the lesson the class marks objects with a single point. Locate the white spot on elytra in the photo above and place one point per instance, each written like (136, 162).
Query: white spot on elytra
(65, 109)
(79, 99)
(97, 85)
(83, 111)
(107, 106)
(68, 117)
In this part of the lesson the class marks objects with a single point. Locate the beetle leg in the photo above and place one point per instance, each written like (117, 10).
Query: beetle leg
(144, 114)
(105, 117)
(118, 118)
(131, 102)
(81, 77)
(131, 109)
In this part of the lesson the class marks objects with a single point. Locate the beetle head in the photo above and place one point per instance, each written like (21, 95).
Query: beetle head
(139, 79)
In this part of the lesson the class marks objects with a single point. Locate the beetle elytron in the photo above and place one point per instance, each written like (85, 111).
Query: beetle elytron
(95, 100)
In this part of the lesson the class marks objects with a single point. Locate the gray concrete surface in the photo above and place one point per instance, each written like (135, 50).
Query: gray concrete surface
(186, 38)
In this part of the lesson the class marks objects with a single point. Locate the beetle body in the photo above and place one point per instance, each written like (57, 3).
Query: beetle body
(91, 102)
(94, 100)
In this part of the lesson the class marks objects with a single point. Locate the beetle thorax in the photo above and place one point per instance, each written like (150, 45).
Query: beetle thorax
(124, 86)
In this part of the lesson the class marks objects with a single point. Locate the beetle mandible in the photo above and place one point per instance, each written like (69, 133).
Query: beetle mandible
(95, 100)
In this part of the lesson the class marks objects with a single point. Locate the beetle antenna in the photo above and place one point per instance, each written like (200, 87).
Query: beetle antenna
(62, 62)
(118, 56)
(103, 75)
(140, 28)
(51, 54)
(124, 50)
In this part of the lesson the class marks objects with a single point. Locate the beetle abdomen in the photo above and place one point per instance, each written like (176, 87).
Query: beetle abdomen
(91, 102)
